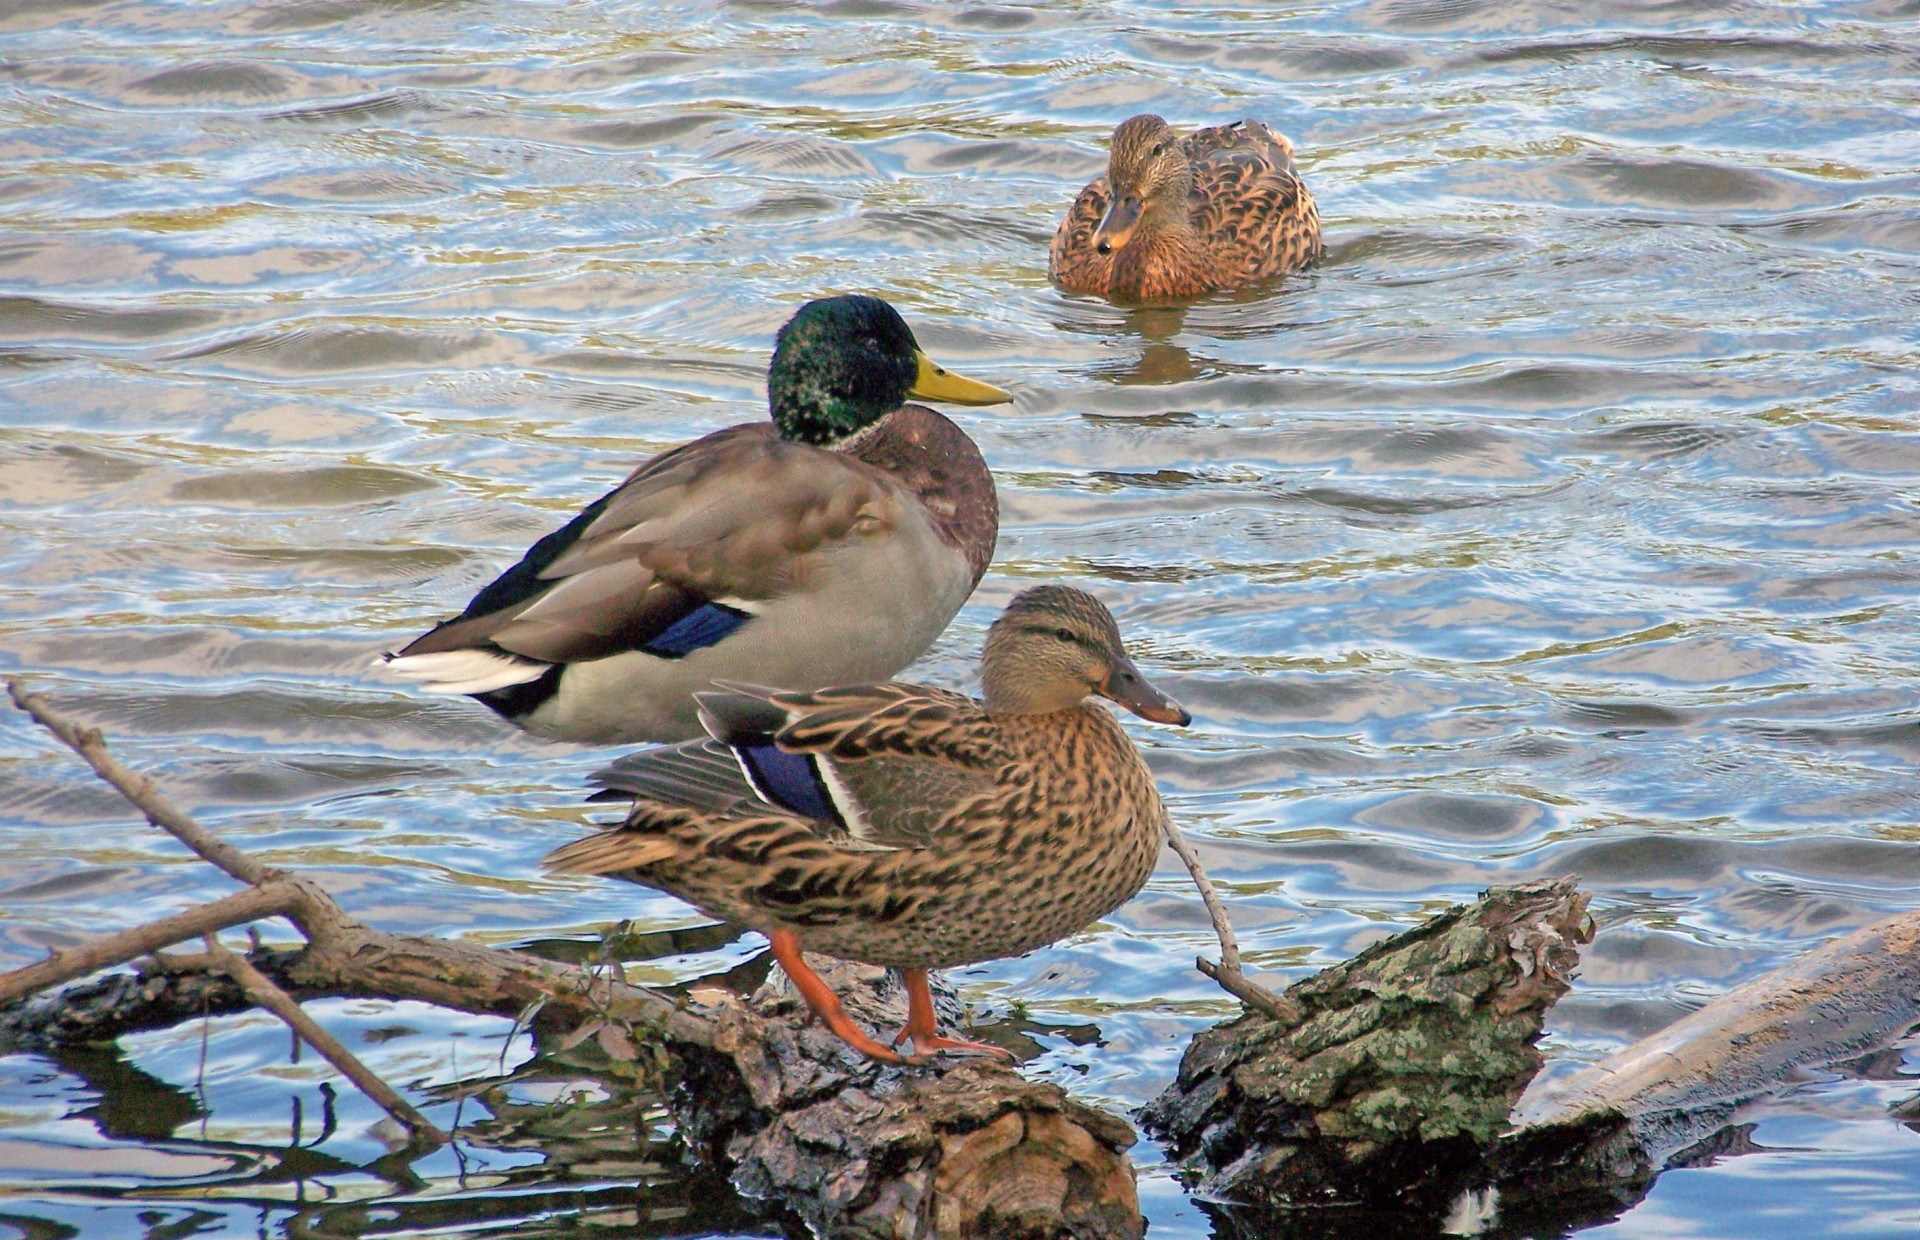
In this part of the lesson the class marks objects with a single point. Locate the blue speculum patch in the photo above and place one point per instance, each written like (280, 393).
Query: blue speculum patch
(788, 780)
(705, 625)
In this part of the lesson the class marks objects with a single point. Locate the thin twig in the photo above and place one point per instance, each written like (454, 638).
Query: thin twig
(261, 990)
(345, 954)
(1227, 972)
(268, 900)
(138, 789)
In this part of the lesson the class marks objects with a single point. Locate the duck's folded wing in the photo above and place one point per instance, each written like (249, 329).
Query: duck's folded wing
(744, 868)
(701, 774)
(1244, 183)
(873, 765)
(863, 721)
(678, 556)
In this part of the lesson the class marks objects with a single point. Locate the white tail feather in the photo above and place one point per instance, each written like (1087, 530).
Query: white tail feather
(463, 671)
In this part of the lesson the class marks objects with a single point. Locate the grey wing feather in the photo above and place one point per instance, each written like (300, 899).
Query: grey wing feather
(702, 775)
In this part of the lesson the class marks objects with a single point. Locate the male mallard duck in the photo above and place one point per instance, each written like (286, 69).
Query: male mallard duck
(1176, 217)
(830, 546)
(904, 826)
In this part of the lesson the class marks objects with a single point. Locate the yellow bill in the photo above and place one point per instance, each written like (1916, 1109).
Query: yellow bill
(936, 382)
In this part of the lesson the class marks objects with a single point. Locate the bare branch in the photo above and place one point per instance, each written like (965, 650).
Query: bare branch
(138, 789)
(268, 900)
(1227, 972)
(261, 990)
(344, 954)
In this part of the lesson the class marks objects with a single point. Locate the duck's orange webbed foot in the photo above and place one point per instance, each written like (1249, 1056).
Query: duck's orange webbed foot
(823, 1002)
(927, 1040)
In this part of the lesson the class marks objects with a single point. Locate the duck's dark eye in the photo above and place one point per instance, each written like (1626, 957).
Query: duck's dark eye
(1159, 147)
(1064, 634)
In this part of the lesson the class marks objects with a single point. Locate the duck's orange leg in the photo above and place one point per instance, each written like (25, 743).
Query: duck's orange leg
(820, 997)
(922, 1029)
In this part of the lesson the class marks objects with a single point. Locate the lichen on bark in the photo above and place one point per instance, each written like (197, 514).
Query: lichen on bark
(1408, 1056)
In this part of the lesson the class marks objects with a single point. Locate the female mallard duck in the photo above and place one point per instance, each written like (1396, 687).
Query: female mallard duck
(904, 826)
(1176, 218)
(830, 546)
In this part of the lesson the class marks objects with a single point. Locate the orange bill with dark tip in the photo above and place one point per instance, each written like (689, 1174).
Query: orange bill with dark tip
(1116, 226)
(1128, 687)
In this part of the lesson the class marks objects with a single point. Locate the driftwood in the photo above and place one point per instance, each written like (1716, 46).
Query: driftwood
(1381, 1087)
(1844, 999)
(1400, 1071)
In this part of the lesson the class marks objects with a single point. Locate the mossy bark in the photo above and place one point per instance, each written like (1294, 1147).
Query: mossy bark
(1400, 1073)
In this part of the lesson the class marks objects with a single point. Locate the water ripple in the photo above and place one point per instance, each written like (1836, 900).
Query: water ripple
(1562, 520)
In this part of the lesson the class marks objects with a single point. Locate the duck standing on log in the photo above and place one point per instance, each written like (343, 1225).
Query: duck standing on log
(905, 826)
(1177, 218)
(829, 546)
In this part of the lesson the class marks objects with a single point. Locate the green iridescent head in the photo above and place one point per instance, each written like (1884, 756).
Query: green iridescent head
(843, 363)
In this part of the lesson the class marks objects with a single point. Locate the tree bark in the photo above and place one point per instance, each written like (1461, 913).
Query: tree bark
(1399, 1074)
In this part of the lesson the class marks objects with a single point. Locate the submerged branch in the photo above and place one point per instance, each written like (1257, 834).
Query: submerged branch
(263, 993)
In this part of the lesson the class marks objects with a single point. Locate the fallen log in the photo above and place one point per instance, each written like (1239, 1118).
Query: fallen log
(1846, 998)
(1398, 1074)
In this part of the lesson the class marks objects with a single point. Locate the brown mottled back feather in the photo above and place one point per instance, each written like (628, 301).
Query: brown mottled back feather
(938, 832)
(1068, 831)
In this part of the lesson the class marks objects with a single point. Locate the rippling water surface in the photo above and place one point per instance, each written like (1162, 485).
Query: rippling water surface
(1566, 520)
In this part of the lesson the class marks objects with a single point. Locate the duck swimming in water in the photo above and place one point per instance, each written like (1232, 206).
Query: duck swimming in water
(1177, 218)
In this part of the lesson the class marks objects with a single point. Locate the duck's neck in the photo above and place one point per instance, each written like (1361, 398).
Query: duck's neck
(1008, 695)
(1160, 265)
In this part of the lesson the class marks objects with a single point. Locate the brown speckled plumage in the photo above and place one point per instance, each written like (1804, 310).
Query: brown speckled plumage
(1222, 208)
(961, 831)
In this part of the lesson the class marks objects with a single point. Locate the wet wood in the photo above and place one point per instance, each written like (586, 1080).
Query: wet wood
(1846, 998)
(1400, 1072)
